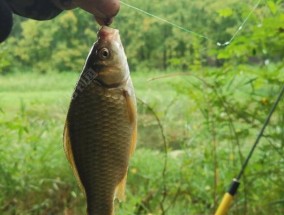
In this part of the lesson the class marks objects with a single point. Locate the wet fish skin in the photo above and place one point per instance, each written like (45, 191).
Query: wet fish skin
(100, 130)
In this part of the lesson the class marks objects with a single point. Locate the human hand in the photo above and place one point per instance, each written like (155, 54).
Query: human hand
(103, 10)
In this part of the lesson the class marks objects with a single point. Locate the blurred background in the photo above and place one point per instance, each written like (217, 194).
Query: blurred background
(201, 105)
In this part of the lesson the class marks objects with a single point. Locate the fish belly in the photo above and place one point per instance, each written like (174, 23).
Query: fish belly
(100, 137)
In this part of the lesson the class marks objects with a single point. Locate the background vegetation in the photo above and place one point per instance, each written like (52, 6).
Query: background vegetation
(198, 115)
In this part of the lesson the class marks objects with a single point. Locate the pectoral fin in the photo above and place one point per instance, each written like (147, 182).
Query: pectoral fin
(132, 113)
(120, 189)
(69, 153)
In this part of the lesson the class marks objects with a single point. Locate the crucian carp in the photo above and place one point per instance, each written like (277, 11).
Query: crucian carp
(101, 125)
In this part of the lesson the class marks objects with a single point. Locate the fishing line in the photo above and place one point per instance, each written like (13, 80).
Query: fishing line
(166, 21)
(193, 32)
(241, 26)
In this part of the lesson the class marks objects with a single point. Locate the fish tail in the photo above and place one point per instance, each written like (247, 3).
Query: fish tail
(99, 207)
(91, 211)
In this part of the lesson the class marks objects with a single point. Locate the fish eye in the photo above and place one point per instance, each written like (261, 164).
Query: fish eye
(103, 53)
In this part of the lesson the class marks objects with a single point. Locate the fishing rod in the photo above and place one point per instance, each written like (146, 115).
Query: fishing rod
(229, 195)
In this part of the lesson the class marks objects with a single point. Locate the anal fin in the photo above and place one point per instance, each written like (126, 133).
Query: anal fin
(120, 189)
(132, 114)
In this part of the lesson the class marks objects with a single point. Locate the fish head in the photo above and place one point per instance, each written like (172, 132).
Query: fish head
(109, 59)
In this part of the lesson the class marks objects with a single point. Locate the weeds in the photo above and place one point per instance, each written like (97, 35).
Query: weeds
(193, 135)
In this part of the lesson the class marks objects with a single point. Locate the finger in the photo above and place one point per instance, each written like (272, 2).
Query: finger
(109, 8)
(104, 21)
(103, 10)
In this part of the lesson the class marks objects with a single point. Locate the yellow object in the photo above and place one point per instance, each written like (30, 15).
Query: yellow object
(225, 204)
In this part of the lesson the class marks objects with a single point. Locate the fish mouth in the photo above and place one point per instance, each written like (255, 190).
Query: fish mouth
(107, 33)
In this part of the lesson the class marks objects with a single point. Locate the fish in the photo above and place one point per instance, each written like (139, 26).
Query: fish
(101, 125)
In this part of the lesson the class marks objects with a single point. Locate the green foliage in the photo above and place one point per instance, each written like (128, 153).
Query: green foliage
(5, 60)
(62, 44)
(209, 104)
(50, 45)
(263, 43)
(210, 119)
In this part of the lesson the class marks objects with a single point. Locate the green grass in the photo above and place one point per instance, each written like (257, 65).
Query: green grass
(203, 154)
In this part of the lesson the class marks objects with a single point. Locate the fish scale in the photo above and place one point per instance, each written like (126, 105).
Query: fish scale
(100, 130)
(95, 136)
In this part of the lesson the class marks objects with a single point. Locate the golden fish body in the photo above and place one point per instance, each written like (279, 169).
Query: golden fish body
(100, 130)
